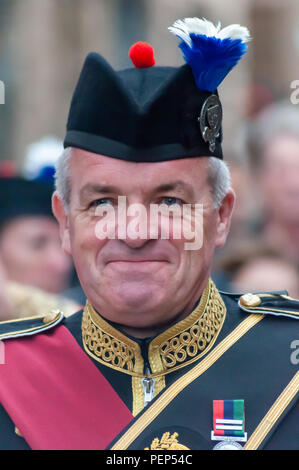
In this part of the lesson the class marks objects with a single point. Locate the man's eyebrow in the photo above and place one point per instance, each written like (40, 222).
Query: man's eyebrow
(91, 188)
(181, 185)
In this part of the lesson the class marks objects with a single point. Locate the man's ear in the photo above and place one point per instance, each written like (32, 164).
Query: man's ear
(224, 217)
(63, 220)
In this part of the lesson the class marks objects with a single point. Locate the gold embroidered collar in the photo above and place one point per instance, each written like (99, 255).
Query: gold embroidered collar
(177, 347)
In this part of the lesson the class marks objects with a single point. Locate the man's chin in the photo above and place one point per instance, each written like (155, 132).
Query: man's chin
(136, 291)
(139, 301)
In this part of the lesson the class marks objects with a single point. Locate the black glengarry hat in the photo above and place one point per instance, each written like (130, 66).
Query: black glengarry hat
(150, 114)
(20, 198)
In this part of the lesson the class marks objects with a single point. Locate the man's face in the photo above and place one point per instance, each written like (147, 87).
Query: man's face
(139, 282)
(31, 254)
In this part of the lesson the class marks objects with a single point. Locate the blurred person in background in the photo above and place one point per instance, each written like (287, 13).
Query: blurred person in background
(29, 236)
(41, 157)
(256, 267)
(39, 165)
(273, 142)
(30, 251)
(23, 301)
(263, 250)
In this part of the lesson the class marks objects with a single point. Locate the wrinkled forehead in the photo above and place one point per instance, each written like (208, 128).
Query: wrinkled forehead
(86, 167)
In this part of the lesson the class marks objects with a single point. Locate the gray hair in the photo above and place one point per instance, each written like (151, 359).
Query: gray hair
(62, 177)
(219, 178)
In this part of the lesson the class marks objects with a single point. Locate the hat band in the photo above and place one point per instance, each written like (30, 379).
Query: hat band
(112, 148)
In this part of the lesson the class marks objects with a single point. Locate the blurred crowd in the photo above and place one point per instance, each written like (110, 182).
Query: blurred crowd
(262, 253)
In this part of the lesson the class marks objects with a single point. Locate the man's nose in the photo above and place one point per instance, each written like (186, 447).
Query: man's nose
(137, 230)
(135, 242)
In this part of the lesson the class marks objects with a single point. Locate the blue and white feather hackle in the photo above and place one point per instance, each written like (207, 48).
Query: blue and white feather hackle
(210, 51)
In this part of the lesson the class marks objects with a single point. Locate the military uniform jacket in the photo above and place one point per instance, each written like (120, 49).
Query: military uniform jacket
(157, 393)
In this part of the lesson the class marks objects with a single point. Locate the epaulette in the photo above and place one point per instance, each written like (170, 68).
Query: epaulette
(274, 303)
(30, 325)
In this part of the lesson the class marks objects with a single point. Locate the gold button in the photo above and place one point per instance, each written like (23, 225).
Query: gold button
(250, 300)
(51, 317)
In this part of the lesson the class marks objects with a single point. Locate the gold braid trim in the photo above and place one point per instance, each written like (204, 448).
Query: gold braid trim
(177, 347)
(107, 345)
(273, 415)
(188, 342)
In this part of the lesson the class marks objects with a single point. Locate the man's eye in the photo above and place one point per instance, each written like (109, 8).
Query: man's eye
(171, 201)
(101, 202)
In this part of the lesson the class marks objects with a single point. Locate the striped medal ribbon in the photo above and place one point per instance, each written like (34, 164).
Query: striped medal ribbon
(228, 424)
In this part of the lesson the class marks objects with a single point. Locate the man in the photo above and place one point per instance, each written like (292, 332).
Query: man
(158, 355)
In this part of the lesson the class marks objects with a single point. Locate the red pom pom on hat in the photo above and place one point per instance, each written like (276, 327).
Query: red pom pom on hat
(142, 55)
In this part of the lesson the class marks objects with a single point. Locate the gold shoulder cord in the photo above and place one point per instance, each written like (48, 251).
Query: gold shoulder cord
(276, 410)
(157, 407)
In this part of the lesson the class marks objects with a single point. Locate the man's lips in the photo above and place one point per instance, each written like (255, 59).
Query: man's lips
(134, 257)
(136, 261)
(135, 267)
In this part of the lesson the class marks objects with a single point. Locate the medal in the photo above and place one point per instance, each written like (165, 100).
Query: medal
(228, 424)
(228, 445)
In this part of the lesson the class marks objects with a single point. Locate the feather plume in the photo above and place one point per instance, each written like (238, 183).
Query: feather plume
(210, 51)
